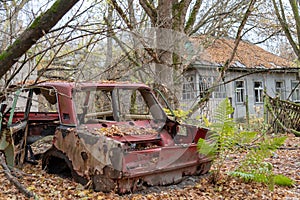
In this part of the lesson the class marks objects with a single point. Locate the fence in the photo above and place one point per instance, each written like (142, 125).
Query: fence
(283, 116)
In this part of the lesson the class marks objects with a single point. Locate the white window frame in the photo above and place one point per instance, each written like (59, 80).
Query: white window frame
(239, 91)
(188, 87)
(220, 92)
(206, 82)
(296, 93)
(280, 91)
(258, 92)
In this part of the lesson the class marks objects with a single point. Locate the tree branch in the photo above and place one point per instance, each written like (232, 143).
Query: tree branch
(297, 20)
(33, 33)
(200, 103)
(284, 25)
(150, 10)
(192, 17)
(122, 14)
(14, 180)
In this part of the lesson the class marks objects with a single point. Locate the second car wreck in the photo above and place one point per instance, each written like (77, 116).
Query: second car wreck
(113, 136)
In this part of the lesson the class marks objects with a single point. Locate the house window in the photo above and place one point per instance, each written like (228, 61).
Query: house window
(279, 89)
(220, 91)
(296, 91)
(258, 91)
(188, 88)
(240, 91)
(204, 84)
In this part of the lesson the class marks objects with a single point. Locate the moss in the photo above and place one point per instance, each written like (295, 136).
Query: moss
(54, 7)
(177, 9)
(17, 42)
(36, 22)
(190, 21)
(3, 55)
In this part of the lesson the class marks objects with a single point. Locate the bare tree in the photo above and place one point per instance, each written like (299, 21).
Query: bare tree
(13, 52)
(34, 32)
(290, 22)
(226, 65)
(186, 17)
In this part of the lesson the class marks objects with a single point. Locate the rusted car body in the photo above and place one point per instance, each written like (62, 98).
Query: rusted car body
(113, 136)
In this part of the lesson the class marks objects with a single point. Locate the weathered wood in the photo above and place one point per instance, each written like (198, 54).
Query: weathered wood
(284, 115)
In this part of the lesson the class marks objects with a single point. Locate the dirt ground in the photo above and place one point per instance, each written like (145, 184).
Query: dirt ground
(286, 161)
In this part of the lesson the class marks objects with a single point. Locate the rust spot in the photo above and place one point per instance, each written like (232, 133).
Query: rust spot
(104, 148)
(104, 125)
(64, 133)
(84, 156)
(89, 139)
(131, 123)
(103, 183)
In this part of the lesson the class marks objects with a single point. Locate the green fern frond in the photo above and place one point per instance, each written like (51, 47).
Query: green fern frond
(223, 138)
(243, 175)
(248, 176)
(264, 150)
(282, 180)
(224, 124)
(206, 148)
(206, 121)
(245, 137)
(261, 178)
(222, 131)
(224, 110)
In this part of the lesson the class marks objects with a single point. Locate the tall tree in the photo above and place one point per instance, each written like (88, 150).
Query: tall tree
(174, 19)
(290, 22)
(40, 26)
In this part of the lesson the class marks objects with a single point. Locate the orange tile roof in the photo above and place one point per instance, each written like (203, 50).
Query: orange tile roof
(248, 55)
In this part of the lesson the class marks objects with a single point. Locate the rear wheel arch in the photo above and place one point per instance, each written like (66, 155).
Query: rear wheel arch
(55, 161)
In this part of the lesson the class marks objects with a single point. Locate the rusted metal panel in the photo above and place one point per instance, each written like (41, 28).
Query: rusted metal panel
(124, 152)
(87, 152)
(97, 152)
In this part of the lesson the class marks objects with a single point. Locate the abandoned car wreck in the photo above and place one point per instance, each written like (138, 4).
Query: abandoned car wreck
(113, 136)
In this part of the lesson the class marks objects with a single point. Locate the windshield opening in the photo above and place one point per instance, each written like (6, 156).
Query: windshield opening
(96, 105)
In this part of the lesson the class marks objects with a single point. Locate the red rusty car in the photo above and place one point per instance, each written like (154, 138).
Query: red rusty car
(113, 136)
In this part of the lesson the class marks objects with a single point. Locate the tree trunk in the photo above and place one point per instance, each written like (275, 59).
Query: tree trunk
(40, 26)
(164, 70)
(108, 58)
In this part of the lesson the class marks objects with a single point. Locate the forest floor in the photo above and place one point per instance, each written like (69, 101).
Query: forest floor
(286, 161)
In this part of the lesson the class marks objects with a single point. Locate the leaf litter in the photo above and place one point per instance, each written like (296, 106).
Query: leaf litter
(285, 160)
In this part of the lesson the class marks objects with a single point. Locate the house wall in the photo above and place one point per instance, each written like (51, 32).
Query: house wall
(269, 85)
(268, 80)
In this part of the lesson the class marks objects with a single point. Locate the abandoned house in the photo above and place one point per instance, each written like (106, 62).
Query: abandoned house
(252, 71)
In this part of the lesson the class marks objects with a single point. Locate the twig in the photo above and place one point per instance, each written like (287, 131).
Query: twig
(288, 148)
(15, 181)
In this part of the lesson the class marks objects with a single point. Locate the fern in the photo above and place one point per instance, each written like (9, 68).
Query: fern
(224, 138)
(254, 161)
(245, 137)
(245, 176)
(264, 150)
(268, 179)
(283, 180)
(221, 138)
(206, 148)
